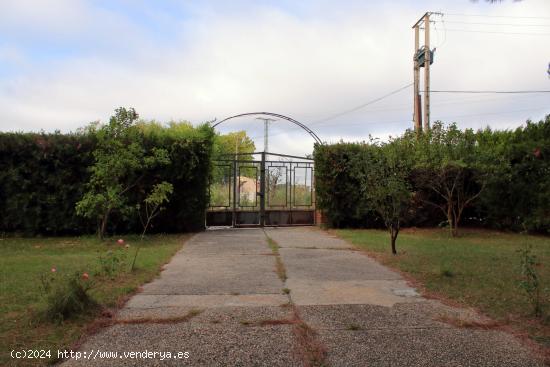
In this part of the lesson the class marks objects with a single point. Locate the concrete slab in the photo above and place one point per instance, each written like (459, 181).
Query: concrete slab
(363, 313)
(144, 301)
(426, 347)
(327, 292)
(372, 317)
(207, 344)
(305, 237)
(333, 265)
(190, 274)
(224, 262)
(234, 315)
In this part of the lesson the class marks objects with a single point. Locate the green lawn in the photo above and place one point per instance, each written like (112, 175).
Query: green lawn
(480, 268)
(24, 260)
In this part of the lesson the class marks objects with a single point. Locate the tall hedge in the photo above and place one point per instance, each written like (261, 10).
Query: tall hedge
(338, 175)
(41, 179)
(42, 176)
(516, 195)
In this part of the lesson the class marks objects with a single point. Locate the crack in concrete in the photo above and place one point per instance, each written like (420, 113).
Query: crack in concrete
(312, 352)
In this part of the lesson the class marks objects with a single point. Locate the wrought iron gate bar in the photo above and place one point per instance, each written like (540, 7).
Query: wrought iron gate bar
(250, 192)
(310, 132)
(256, 153)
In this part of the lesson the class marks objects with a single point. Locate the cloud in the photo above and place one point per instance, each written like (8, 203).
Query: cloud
(200, 62)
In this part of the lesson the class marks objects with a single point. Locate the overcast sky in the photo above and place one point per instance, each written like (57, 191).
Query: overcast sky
(65, 63)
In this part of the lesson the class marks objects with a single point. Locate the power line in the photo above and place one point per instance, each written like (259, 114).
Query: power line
(497, 32)
(497, 113)
(492, 91)
(496, 16)
(444, 117)
(449, 102)
(361, 106)
(402, 107)
(497, 24)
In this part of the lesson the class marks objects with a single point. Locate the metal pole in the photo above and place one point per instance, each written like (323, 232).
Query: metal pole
(236, 147)
(416, 110)
(427, 60)
(266, 131)
(235, 183)
(262, 191)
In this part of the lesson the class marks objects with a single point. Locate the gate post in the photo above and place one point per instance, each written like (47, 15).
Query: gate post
(262, 191)
(235, 183)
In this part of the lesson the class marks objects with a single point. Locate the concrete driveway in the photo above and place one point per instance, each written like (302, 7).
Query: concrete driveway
(228, 298)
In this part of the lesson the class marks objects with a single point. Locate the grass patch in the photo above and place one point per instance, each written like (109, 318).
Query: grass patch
(274, 246)
(279, 266)
(23, 261)
(480, 268)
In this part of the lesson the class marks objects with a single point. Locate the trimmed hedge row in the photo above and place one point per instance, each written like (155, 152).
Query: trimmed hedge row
(516, 195)
(43, 176)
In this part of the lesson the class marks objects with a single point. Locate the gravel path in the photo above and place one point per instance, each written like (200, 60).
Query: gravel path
(223, 302)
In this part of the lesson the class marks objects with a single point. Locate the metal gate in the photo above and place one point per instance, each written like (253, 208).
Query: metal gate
(262, 189)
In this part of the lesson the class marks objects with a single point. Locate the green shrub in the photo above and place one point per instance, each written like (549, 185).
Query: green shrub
(339, 173)
(112, 262)
(498, 179)
(66, 295)
(517, 196)
(43, 176)
(530, 280)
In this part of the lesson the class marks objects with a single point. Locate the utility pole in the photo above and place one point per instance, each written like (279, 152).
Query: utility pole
(266, 130)
(423, 57)
(416, 96)
(427, 61)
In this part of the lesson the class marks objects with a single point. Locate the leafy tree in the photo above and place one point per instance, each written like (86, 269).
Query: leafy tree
(386, 187)
(153, 204)
(120, 161)
(234, 142)
(449, 164)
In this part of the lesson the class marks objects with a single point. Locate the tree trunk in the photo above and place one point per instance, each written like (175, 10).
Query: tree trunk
(454, 229)
(450, 219)
(393, 234)
(455, 226)
(104, 224)
(145, 228)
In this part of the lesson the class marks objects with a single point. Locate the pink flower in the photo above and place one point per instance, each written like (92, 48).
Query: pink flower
(54, 270)
(85, 276)
(120, 241)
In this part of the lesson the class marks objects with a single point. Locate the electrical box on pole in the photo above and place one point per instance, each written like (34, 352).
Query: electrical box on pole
(423, 57)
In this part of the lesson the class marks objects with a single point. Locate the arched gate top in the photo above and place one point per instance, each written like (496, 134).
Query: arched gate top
(310, 132)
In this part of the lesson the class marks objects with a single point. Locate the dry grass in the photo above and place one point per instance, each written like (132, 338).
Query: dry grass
(308, 347)
(161, 320)
(469, 324)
